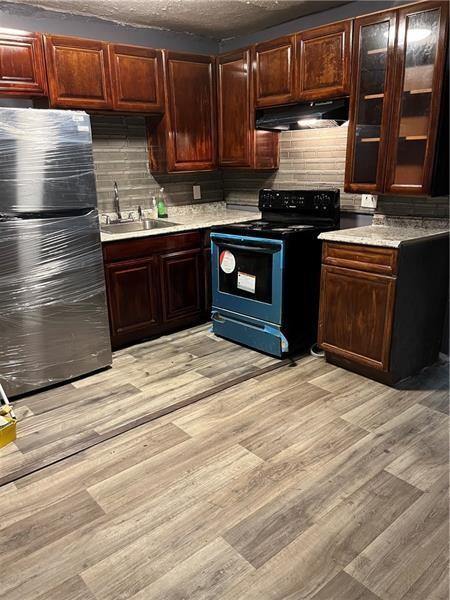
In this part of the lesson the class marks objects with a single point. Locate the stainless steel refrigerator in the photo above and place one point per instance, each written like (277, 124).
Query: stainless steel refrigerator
(53, 314)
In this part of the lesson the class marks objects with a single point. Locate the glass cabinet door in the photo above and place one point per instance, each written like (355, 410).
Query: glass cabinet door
(420, 58)
(374, 38)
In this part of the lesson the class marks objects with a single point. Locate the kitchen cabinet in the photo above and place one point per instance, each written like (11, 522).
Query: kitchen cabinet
(397, 94)
(240, 144)
(370, 101)
(185, 138)
(420, 57)
(137, 78)
(156, 284)
(78, 73)
(382, 309)
(182, 284)
(359, 311)
(133, 297)
(324, 56)
(22, 67)
(274, 72)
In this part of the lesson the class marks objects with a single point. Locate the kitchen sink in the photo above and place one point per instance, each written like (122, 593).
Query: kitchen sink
(143, 225)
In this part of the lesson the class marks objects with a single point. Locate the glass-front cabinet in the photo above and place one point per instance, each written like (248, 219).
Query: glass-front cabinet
(420, 58)
(398, 66)
(374, 38)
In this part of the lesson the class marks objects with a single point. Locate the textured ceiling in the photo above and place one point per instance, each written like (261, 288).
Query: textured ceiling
(213, 18)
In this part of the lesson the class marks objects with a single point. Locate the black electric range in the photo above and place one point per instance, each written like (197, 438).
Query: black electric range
(266, 272)
(284, 213)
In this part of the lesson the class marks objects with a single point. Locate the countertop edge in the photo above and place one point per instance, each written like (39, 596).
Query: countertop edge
(218, 220)
(348, 238)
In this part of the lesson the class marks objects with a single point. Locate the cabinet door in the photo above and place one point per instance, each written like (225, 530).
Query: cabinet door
(235, 116)
(182, 284)
(191, 112)
(274, 72)
(356, 311)
(420, 60)
(370, 102)
(324, 61)
(133, 293)
(137, 83)
(22, 69)
(78, 73)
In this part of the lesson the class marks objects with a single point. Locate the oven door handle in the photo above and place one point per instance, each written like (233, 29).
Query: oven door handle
(264, 249)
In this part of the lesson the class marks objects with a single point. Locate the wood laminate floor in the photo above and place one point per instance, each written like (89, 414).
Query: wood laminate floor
(306, 482)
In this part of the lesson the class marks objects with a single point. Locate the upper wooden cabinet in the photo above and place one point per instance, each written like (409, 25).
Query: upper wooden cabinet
(185, 139)
(312, 65)
(274, 72)
(137, 82)
(78, 73)
(420, 58)
(370, 101)
(395, 111)
(22, 68)
(235, 112)
(240, 145)
(324, 61)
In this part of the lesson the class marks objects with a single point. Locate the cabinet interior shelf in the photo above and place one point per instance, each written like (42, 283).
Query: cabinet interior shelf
(420, 91)
(413, 138)
(368, 140)
(377, 51)
(373, 96)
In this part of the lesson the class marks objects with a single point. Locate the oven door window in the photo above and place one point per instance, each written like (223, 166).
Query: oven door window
(246, 272)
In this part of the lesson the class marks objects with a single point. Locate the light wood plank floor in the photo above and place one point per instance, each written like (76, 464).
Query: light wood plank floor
(145, 380)
(306, 482)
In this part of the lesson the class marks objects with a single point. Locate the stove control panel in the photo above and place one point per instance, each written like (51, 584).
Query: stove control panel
(314, 203)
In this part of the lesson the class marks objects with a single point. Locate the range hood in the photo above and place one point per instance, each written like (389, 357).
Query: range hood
(329, 113)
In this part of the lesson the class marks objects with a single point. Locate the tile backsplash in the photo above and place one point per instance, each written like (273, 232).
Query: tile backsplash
(120, 154)
(312, 158)
(309, 158)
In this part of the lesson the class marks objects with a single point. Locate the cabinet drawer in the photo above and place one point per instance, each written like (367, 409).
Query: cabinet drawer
(146, 246)
(362, 258)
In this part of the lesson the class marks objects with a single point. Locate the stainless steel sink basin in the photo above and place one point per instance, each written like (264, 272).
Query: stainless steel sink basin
(136, 226)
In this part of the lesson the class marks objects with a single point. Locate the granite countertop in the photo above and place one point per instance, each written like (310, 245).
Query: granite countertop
(187, 218)
(389, 235)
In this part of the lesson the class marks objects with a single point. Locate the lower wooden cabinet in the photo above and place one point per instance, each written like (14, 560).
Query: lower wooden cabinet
(134, 304)
(182, 284)
(156, 284)
(357, 321)
(382, 310)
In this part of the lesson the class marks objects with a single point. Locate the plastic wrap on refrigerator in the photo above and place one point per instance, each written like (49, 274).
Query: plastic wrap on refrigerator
(53, 314)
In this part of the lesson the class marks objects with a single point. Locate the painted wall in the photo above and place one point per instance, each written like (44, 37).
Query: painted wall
(346, 11)
(21, 16)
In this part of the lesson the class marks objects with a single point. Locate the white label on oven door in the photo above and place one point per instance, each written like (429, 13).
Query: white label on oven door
(227, 261)
(246, 282)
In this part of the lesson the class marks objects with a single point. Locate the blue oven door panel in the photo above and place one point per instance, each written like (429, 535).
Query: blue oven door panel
(265, 254)
(265, 337)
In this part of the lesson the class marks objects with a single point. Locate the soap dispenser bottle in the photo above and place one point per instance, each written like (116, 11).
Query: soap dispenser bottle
(162, 211)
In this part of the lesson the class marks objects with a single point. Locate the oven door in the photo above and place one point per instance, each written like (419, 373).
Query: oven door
(247, 275)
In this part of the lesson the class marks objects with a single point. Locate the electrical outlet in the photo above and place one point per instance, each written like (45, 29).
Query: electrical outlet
(369, 201)
(196, 192)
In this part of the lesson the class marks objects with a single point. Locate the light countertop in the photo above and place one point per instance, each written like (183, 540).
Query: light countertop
(388, 236)
(189, 218)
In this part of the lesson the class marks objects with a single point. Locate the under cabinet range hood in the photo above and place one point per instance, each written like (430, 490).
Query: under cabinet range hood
(329, 113)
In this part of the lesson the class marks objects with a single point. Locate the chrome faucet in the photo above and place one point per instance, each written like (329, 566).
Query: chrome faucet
(116, 202)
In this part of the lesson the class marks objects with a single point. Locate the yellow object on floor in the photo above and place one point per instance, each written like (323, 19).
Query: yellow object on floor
(7, 420)
(7, 430)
